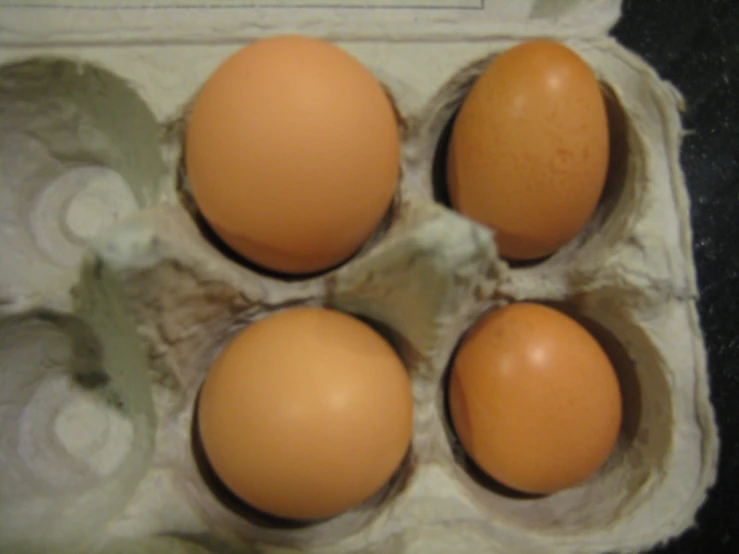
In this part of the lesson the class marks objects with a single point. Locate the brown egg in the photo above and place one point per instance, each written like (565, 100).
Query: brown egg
(534, 400)
(528, 154)
(306, 413)
(292, 153)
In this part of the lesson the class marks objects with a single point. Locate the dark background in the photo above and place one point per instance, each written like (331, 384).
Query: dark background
(695, 45)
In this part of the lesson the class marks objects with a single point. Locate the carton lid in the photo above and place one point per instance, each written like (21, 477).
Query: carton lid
(101, 21)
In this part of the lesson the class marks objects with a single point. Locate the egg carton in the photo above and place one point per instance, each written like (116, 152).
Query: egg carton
(114, 299)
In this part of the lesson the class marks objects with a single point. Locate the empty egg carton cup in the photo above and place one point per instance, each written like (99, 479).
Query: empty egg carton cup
(114, 300)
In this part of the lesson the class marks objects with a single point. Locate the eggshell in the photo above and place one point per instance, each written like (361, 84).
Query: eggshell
(528, 154)
(534, 399)
(292, 153)
(306, 413)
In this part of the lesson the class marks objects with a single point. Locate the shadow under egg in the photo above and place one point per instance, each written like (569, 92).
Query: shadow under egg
(186, 199)
(439, 164)
(618, 151)
(624, 367)
(227, 497)
(235, 504)
(461, 457)
(219, 244)
(188, 202)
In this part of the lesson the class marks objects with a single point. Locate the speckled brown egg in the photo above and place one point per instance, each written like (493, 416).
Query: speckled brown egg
(528, 154)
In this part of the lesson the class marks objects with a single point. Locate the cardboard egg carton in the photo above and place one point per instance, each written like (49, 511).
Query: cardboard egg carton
(114, 300)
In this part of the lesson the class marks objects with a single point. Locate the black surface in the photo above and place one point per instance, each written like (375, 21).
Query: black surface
(695, 45)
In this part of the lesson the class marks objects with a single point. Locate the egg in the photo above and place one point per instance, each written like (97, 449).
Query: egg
(292, 153)
(529, 149)
(534, 399)
(306, 413)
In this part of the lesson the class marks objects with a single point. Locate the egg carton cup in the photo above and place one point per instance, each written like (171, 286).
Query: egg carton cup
(114, 298)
